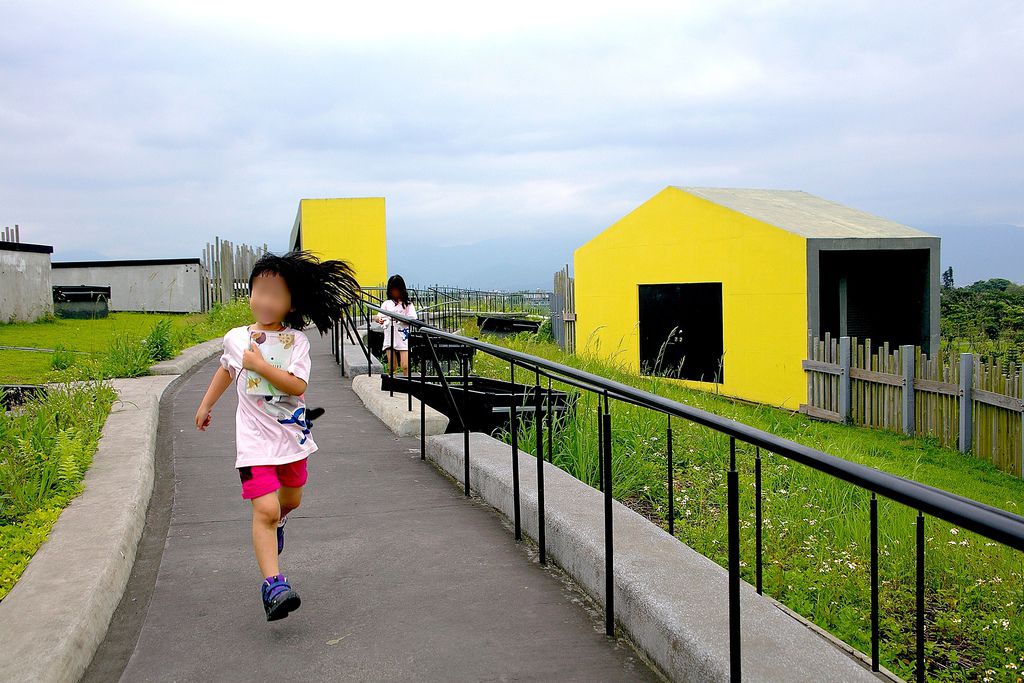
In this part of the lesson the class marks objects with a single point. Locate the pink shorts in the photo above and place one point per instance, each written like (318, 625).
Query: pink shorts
(259, 480)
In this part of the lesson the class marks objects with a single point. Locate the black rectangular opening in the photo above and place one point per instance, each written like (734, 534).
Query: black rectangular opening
(882, 294)
(681, 331)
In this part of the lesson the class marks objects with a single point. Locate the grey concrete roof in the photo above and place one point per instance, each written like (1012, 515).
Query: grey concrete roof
(804, 214)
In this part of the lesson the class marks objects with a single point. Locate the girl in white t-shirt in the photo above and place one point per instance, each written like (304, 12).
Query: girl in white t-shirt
(268, 362)
(396, 332)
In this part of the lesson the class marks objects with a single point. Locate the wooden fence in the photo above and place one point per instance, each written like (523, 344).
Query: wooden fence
(563, 311)
(225, 271)
(963, 401)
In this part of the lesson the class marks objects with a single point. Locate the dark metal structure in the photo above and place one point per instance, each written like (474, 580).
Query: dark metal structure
(506, 324)
(486, 405)
(81, 301)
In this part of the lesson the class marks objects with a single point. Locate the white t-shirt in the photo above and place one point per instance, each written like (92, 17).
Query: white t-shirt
(269, 430)
(401, 328)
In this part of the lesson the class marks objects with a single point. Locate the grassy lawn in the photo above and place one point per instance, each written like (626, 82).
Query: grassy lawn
(105, 346)
(816, 532)
(47, 444)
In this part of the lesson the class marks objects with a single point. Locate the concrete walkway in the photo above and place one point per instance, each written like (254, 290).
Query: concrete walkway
(401, 577)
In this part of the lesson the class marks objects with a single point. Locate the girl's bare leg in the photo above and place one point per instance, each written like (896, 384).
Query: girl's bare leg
(266, 513)
(391, 361)
(403, 361)
(290, 498)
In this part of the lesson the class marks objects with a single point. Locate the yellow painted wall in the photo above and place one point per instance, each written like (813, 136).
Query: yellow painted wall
(352, 229)
(676, 237)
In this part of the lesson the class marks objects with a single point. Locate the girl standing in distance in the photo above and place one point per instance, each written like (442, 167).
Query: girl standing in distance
(397, 302)
(272, 432)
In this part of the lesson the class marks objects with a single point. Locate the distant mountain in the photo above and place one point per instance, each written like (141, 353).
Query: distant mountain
(982, 252)
(511, 263)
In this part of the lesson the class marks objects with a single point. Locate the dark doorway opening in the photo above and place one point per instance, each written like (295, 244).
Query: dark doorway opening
(681, 331)
(877, 294)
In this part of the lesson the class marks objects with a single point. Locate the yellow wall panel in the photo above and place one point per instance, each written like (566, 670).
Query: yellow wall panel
(676, 237)
(352, 229)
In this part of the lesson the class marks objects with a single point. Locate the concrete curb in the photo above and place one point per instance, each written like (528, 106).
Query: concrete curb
(57, 614)
(670, 599)
(393, 411)
(188, 358)
(353, 361)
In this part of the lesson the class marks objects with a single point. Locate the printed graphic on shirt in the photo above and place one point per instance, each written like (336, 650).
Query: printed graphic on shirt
(276, 348)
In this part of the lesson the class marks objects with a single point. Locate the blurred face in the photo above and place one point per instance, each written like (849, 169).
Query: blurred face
(394, 293)
(270, 300)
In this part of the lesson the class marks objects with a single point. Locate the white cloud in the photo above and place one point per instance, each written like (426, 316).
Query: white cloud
(138, 129)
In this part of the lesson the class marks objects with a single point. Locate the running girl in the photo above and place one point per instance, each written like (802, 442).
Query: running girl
(269, 363)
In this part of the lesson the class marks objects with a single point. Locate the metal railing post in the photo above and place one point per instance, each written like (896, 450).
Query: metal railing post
(369, 363)
(919, 669)
(734, 564)
(874, 582)
(671, 485)
(465, 427)
(609, 540)
(515, 452)
(538, 420)
(759, 566)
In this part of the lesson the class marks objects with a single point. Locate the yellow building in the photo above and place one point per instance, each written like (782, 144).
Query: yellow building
(720, 287)
(351, 229)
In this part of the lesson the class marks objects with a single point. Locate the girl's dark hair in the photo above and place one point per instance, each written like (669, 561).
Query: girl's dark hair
(396, 282)
(320, 289)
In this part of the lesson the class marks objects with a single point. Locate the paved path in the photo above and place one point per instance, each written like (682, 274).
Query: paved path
(401, 577)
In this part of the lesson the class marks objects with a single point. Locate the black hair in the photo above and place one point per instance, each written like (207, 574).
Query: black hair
(320, 290)
(398, 283)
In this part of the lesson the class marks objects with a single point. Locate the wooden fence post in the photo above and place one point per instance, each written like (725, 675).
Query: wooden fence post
(966, 439)
(909, 393)
(845, 407)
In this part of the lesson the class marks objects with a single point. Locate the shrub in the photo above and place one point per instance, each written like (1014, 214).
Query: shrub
(159, 342)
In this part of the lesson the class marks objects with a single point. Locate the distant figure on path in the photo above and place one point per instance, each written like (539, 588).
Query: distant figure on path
(269, 363)
(396, 333)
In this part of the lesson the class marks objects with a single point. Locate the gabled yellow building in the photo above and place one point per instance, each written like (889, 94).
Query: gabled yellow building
(351, 229)
(720, 287)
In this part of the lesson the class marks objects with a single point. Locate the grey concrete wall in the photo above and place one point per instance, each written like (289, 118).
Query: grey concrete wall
(931, 244)
(160, 288)
(25, 291)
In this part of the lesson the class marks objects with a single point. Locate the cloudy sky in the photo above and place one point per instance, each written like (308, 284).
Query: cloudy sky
(501, 138)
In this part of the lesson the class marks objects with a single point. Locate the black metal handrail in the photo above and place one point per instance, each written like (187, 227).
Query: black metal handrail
(993, 523)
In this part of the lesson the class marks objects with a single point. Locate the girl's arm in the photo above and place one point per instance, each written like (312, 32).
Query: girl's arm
(285, 381)
(220, 382)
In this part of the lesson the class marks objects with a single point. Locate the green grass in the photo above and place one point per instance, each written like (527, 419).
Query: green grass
(120, 345)
(46, 446)
(816, 532)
